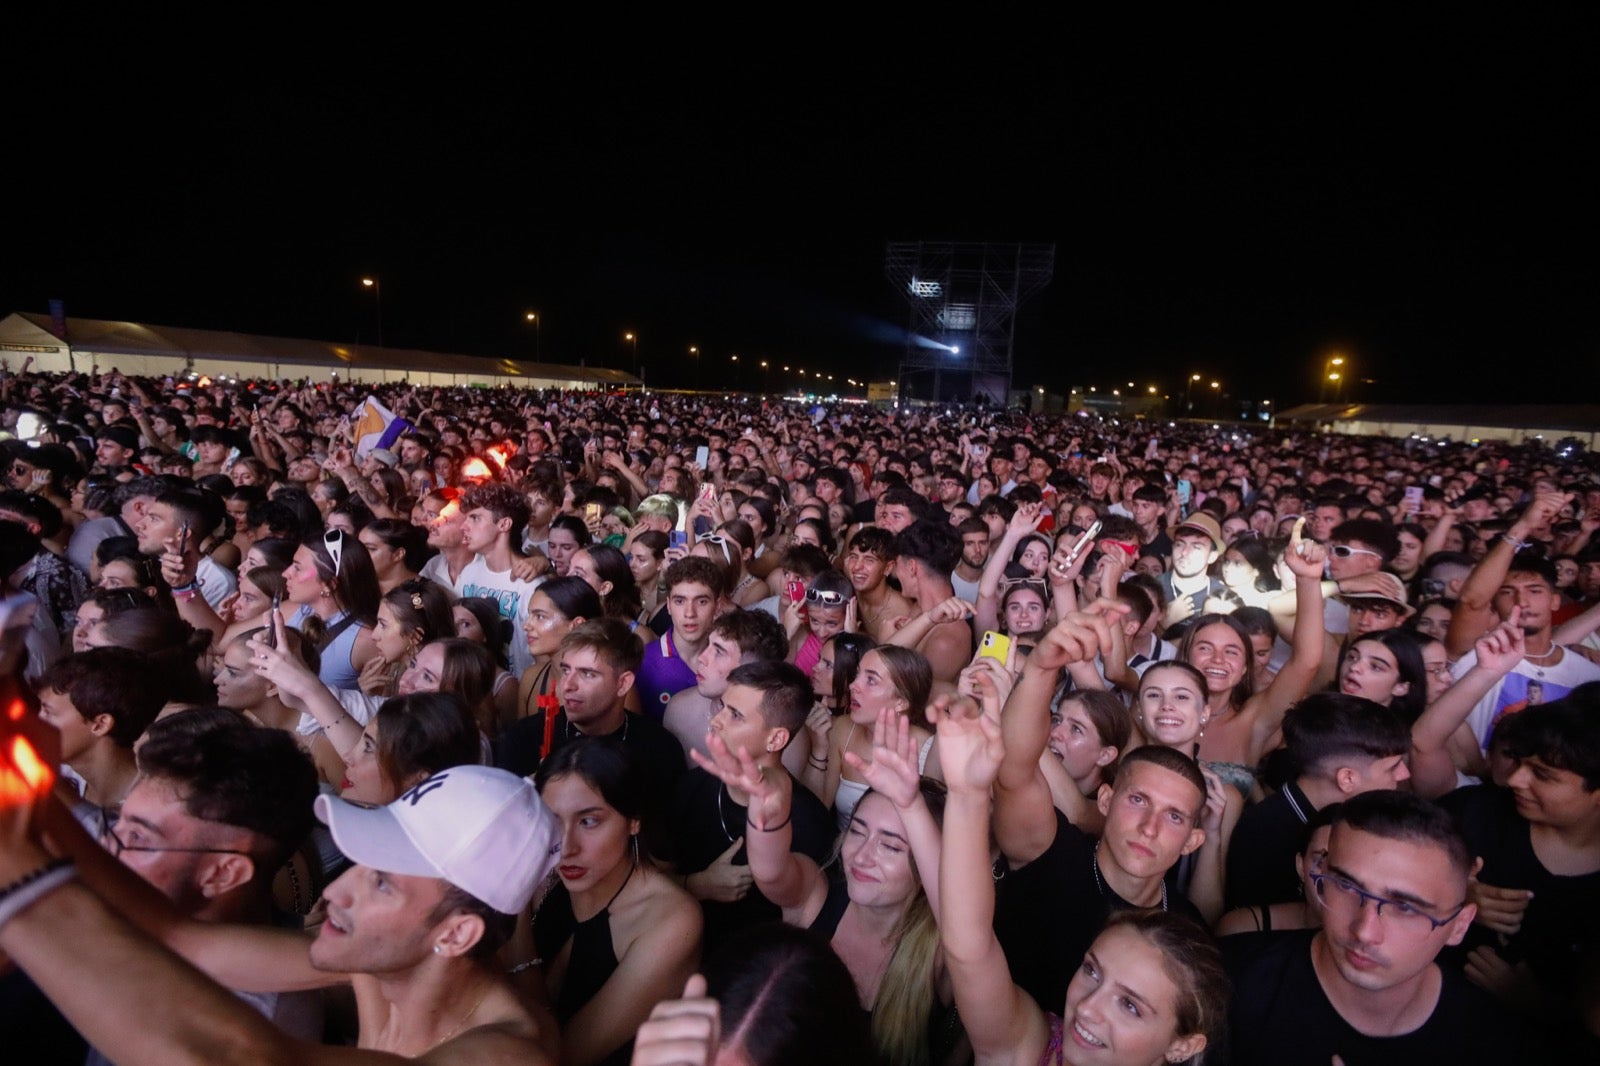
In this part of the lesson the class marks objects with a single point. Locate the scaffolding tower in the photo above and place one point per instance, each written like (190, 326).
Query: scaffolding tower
(964, 299)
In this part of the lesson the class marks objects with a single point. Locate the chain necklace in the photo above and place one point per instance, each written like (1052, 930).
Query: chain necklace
(1094, 864)
(722, 790)
(464, 1018)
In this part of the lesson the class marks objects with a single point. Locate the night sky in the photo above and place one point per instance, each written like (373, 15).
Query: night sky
(1426, 205)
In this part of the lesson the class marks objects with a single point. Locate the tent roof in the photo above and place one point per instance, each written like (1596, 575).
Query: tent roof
(137, 338)
(1584, 416)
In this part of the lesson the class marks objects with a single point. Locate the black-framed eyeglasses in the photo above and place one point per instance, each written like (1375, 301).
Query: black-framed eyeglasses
(113, 842)
(333, 540)
(1333, 889)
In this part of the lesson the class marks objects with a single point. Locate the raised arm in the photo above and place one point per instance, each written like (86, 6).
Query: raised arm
(303, 690)
(1305, 559)
(1024, 816)
(1474, 615)
(1024, 521)
(892, 774)
(785, 877)
(1003, 1023)
(1433, 771)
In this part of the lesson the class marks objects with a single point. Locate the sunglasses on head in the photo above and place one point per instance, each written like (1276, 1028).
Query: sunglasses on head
(826, 597)
(333, 540)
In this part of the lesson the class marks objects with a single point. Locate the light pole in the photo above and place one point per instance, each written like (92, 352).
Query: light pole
(376, 285)
(1188, 402)
(1333, 374)
(633, 339)
(734, 359)
(533, 316)
(694, 353)
(764, 387)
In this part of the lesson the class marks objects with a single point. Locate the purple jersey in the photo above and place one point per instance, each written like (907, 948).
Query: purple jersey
(662, 675)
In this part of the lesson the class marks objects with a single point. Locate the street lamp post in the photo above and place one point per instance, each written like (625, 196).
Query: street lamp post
(764, 387)
(694, 353)
(1333, 375)
(533, 316)
(376, 285)
(633, 339)
(1188, 401)
(734, 359)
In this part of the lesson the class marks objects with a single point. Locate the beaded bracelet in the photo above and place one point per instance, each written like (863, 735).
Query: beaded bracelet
(30, 887)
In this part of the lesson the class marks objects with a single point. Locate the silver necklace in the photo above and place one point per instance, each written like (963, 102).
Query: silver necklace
(723, 818)
(1094, 864)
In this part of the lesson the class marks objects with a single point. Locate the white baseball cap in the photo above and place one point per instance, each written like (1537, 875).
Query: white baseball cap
(483, 830)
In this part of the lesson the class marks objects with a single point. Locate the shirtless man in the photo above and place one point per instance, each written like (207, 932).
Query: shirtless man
(868, 563)
(440, 875)
(925, 556)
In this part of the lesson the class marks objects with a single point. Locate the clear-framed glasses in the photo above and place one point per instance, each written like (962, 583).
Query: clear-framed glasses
(1344, 551)
(333, 540)
(114, 841)
(1341, 893)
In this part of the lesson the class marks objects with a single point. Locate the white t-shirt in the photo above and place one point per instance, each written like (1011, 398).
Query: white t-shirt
(216, 581)
(967, 590)
(512, 595)
(1525, 685)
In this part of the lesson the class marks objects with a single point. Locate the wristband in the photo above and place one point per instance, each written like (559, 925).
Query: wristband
(1516, 545)
(31, 887)
(770, 828)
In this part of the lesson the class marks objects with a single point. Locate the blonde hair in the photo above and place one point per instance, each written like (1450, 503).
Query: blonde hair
(908, 993)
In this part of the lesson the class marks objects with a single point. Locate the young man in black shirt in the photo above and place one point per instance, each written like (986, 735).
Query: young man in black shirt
(1341, 746)
(763, 707)
(1366, 987)
(1536, 940)
(598, 662)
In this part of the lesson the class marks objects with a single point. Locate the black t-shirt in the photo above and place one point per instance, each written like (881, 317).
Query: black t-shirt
(657, 751)
(1280, 1016)
(706, 820)
(1561, 926)
(1048, 912)
(1262, 849)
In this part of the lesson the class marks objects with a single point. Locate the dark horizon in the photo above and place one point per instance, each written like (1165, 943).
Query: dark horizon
(1430, 221)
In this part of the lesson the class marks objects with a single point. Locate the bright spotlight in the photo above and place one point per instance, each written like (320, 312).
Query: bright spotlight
(955, 349)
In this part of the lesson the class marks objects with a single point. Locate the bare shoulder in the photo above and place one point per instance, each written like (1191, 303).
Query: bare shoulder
(661, 912)
(512, 1040)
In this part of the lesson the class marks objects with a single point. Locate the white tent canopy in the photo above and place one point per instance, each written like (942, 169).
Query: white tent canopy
(156, 351)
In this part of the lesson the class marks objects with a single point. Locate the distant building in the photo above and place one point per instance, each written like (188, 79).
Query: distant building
(158, 351)
(1515, 423)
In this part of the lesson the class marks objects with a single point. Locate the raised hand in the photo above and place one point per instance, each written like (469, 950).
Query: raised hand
(681, 1032)
(970, 745)
(1504, 646)
(1304, 558)
(893, 769)
(281, 667)
(1026, 519)
(1078, 637)
(955, 609)
(820, 724)
(988, 681)
(768, 799)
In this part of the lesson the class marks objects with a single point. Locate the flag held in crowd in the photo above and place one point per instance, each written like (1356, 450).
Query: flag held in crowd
(376, 426)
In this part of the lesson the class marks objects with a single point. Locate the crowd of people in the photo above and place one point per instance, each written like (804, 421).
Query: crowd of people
(584, 728)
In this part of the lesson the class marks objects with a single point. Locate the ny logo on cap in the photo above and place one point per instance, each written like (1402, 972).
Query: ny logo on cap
(422, 788)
